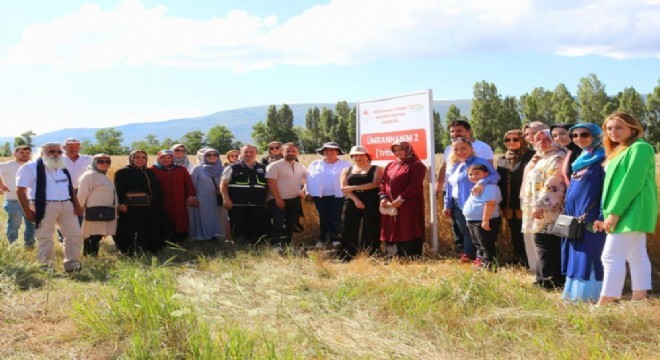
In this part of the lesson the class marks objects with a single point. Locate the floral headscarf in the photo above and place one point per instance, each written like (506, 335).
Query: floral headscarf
(131, 158)
(513, 156)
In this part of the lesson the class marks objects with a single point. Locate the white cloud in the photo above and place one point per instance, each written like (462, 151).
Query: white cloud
(341, 32)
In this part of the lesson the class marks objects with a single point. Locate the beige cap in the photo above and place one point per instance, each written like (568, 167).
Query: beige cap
(358, 150)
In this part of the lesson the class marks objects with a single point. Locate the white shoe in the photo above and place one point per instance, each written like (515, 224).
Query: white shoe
(320, 245)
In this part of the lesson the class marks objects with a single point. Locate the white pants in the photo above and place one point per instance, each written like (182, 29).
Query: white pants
(62, 215)
(619, 248)
(530, 250)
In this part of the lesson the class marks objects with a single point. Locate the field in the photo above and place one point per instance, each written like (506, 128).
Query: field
(211, 300)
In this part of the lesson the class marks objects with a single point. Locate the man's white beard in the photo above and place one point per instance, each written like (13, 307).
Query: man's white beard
(54, 162)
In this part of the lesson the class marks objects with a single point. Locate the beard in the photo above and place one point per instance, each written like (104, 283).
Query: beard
(54, 162)
(290, 157)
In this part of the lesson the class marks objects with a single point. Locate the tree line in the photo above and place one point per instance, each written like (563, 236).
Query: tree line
(490, 116)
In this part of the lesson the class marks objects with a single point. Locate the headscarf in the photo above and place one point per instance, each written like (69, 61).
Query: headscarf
(574, 149)
(200, 155)
(94, 165)
(131, 159)
(594, 152)
(556, 147)
(180, 160)
(513, 156)
(407, 148)
(160, 154)
(212, 169)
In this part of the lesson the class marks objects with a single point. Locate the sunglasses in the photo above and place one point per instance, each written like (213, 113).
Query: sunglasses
(179, 150)
(511, 140)
(55, 152)
(583, 135)
(211, 155)
(101, 161)
(233, 156)
(274, 148)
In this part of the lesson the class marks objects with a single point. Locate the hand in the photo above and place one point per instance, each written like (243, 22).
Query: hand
(538, 214)
(122, 208)
(347, 189)
(477, 189)
(396, 204)
(384, 203)
(359, 204)
(3, 188)
(280, 204)
(447, 213)
(30, 215)
(78, 210)
(485, 225)
(308, 198)
(192, 201)
(227, 203)
(610, 223)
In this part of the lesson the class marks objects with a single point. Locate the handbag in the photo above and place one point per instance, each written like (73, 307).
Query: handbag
(139, 198)
(100, 213)
(390, 210)
(571, 227)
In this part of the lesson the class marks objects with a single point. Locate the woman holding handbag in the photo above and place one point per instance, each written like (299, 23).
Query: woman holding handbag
(630, 207)
(581, 257)
(96, 194)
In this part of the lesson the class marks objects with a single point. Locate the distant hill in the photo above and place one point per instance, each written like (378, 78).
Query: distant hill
(239, 121)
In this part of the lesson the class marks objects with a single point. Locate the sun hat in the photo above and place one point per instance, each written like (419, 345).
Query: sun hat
(330, 145)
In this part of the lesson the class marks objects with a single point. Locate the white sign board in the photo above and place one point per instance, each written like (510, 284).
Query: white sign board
(409, 117)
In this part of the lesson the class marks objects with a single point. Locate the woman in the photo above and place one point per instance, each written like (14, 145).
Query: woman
(140, 227)
(402, 191)
(96, 189)
(274, 153)
(511, 168)
(560, 133)
(178, 193)
(629, 206)
(206, 220)
(542, 202)
(322, 186)
(232, 157)
(459, 187)
(581, 257)
(180, 156)
(360, 183)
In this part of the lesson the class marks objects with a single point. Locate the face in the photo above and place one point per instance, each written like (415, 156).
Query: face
(22, 155)
(249, 154)
(232, 157)
(462, 150)
(398, 152)
(72, 149)
(140, 160)
(330, 154)
(103, 164)
(561, 136)
(459, 131)
(211, 157)
(476, 175)
(512, 142)
(529, 135)
(360, 159)
(618, 131)
(582, 137)
(52, 157)
(165, 160)
(542, 142)
(274, 149)
(290, 153)
(180, 151)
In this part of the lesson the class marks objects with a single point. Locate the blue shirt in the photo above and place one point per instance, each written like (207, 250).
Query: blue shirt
(457, 177)
(474, 207)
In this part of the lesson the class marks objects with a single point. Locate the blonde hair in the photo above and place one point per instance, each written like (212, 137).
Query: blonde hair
(612, 148)
(455, 142)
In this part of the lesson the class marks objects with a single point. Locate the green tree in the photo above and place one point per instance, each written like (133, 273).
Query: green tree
(342, 133)
(564, 106)
(220, 138)
(486, 111)
(6, 150)
(352, 126)
(260, 135)
(108, 141)
(509, 119)
(25, 139)
(632, 102)
(592, 99)
(328, 122)
(438, 133)
(653, 116)
(150, 144)
(193, 141)
(538, 106)
(19, 141)
(285, 132)
(311, 135)
(168, 143)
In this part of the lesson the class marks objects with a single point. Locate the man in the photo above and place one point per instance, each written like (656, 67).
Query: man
(460, 129)
(76, 163)
(45, 193)
(285, 181)
(244, 191)
(8, 172)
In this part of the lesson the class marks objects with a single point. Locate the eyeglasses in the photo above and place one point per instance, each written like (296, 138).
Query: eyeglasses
(511, 140)
(101, 161)
(179, 150)
(55, 152)
(233, 156)
(583, 135)
(211, 155)
(274, 148)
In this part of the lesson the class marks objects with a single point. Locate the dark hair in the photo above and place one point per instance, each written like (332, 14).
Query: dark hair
(462, 123)
(480, 167)
(291, 143)
(22, 147)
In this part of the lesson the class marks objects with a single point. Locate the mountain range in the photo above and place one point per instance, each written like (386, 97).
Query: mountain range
(238, 121)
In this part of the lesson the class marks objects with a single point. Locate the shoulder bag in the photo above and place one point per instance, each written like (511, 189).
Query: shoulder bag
(571, 227)
(133, 198)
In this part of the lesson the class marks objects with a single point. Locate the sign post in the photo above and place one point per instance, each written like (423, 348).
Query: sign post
(408, 117)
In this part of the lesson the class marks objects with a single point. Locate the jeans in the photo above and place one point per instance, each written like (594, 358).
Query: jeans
(468, 247)
(329, 208)
(14, 216)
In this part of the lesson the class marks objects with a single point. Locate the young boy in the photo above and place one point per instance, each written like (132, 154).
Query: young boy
(482, 213)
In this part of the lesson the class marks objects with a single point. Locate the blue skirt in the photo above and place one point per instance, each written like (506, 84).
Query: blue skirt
(582, 290)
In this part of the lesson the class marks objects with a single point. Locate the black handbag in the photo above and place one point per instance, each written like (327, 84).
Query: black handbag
(139, 198)
(571, 227)
(218, 197)
(100, 213)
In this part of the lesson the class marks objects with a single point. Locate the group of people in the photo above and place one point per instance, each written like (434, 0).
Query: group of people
(602, 175)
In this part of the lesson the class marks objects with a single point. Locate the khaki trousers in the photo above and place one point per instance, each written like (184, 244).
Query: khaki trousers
(62, 215)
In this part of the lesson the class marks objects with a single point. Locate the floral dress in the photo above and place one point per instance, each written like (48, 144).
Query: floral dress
(544, 189)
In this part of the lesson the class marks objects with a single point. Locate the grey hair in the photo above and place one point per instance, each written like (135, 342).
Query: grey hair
(50, 144)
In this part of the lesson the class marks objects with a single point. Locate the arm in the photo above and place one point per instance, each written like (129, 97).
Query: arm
(488, 212)
(415, 187)
(272, 186)
(632, 179)
(553, 184)
(84, 189)
(224, 188)
(440, 182)
(21, 193)
(189, 188)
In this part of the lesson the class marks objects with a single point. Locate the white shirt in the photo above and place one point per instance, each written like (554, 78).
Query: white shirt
(323, 178)
(289, 177)
(8, 172)
(77, 168)
(57, 185)
(481, 149)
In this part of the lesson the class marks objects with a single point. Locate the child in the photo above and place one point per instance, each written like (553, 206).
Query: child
(483, 217)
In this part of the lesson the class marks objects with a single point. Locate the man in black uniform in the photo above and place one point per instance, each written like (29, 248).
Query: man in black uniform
(244, 190)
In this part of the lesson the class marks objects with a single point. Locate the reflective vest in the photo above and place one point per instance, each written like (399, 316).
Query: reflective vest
(248, 186)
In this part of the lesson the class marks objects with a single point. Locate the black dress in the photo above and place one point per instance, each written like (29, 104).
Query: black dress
(368, 219)
(140, 228)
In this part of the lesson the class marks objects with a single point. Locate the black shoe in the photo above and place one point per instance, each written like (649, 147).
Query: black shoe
(75, 269)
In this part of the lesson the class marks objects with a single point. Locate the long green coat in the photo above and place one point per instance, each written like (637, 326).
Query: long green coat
(630, 190)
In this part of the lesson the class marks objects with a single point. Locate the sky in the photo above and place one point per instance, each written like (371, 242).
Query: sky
(73, 63)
